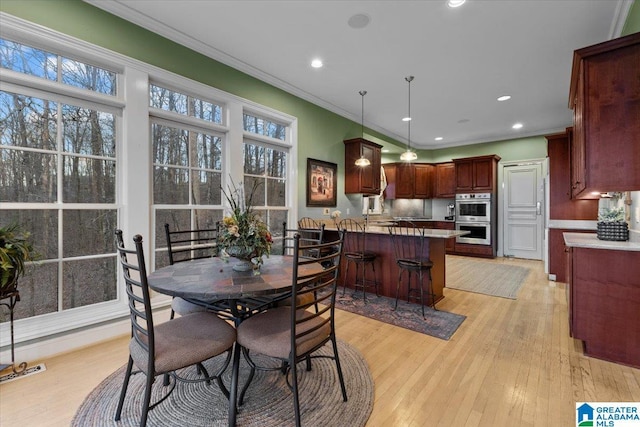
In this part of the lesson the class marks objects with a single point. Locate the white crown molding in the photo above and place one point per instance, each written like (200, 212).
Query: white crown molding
(123, 11)
(620, 17)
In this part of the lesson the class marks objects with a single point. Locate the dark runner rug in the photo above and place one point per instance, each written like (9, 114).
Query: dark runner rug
(268, 401)
(437, 323)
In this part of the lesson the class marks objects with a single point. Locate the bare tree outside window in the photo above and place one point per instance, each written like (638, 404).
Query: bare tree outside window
(75, 241)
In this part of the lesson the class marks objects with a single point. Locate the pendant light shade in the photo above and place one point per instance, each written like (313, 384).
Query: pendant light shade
(408, 155)
(362, 161)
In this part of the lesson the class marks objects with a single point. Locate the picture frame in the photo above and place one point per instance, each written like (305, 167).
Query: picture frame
(322, 183)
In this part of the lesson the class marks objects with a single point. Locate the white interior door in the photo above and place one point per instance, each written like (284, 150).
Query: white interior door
(523, 210)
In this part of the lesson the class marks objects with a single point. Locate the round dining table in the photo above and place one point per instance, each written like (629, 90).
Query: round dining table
(209, 280)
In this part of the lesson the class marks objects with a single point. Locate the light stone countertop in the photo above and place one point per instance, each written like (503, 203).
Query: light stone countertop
(573, 224)
(590, 241)
(432, 233)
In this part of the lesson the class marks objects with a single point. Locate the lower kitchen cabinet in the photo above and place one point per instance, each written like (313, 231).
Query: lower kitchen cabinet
(483, 251)
(557, 259)
(604, 303)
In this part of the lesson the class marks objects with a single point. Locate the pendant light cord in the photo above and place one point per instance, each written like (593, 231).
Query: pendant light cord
(409, 79)
(362, 94)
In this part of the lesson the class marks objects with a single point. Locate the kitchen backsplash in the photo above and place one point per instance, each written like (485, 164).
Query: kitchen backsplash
(417, 208)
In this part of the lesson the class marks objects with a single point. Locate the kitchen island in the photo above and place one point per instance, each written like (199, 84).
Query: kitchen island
(379, 241)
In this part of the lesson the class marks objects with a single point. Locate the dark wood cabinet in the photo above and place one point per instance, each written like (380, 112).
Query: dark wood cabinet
(605, 303)
(445, 187)
(557, 257)
(405, 180)
(409, 180)
(423, 181)
(561, 204)
(605, 98)
(476, 174)
(361, 179)
(464, 175)
(482, 251)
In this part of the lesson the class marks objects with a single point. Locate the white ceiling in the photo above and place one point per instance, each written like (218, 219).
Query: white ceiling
(462, 59)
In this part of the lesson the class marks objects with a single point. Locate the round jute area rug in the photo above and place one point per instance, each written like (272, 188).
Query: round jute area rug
(268, 401)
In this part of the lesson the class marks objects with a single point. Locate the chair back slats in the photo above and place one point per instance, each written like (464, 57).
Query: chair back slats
(355, 241)
(310, 223)
(187, 245)
(315, 286)
(137, 288)
(409, 243)
(310, 237)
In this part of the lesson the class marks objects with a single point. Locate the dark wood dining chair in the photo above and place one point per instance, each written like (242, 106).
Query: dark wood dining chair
(412, 256)
(189, 245)
(292, 334)
(165, 348)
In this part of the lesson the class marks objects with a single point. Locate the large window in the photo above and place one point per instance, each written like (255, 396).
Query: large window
(58, 179)
(265, 161)
(91, 141)
(187, 163)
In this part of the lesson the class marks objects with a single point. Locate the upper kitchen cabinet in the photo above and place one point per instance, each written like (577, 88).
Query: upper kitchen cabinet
(409, 180)
(361, 179)
(561, 205)
(476, 174)
(605, 98)
(423, 181)
(445, 180)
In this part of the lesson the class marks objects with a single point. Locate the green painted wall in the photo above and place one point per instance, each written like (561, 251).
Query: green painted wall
(320, 132)
(632, 24)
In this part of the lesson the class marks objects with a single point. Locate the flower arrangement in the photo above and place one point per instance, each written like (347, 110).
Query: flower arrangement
(243, 234)
(611, 215)
(335, 215)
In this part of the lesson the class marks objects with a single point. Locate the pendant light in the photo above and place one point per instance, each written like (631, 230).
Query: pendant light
(408, 155)
(362, 161)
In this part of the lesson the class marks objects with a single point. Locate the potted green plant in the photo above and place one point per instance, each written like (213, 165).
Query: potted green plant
(15, 250)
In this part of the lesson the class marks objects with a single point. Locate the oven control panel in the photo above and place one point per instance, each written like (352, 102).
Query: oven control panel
(471, 196)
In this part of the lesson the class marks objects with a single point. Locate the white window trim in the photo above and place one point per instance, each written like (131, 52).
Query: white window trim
(133, 202)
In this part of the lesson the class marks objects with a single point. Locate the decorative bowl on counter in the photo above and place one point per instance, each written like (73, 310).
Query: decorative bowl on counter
(615, 231)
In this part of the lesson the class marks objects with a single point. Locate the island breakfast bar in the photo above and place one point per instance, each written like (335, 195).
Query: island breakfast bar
(379, 241)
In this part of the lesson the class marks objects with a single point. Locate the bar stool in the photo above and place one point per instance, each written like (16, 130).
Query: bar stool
(411, 250)
(356, 253)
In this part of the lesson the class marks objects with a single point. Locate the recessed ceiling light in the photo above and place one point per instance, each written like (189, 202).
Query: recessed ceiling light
(517, 126)
(504, 98)
(439, 138)
(316, 63)
(359, 20)
(385, 150)
(455, 3)
(406, 119)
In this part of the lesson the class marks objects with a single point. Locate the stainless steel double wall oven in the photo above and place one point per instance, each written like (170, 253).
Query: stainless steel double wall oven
(473, 214)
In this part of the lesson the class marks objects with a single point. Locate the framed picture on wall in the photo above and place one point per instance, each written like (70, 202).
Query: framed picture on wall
(322, 185)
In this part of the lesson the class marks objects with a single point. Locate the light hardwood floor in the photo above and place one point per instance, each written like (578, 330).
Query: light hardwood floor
(511, 363)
